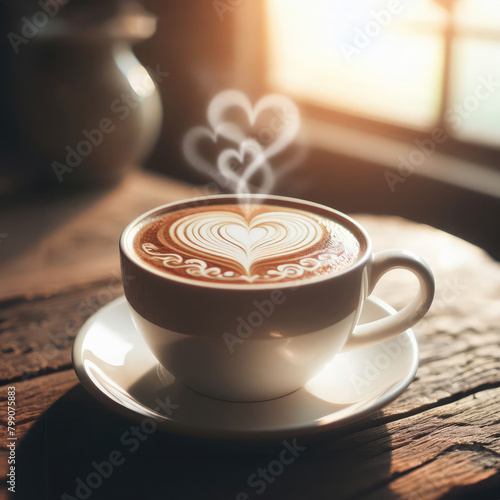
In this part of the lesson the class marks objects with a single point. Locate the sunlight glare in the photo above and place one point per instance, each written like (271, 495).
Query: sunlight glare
(395, 77)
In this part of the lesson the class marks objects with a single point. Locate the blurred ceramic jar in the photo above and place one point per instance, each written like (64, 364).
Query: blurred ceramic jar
(82, 101)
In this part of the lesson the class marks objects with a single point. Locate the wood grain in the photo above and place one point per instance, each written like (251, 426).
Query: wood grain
(37, 335)
(53, 244)
(34, 397)
(440, 439)
(428, 455)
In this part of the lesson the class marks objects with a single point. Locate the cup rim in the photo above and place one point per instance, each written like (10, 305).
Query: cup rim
(124, 247)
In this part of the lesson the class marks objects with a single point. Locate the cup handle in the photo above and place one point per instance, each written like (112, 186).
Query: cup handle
(386, 328)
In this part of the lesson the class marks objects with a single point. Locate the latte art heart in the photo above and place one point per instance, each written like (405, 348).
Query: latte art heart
(232, 240)
(245, 244)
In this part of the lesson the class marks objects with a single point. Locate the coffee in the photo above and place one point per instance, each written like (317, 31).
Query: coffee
(245, 244)
(247, 298)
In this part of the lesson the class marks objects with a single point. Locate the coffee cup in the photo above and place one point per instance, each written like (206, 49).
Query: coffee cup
(246, 298)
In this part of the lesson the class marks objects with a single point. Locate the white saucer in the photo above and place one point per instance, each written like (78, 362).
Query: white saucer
(114, 364)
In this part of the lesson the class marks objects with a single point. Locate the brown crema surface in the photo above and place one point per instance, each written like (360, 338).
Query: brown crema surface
(247, 243)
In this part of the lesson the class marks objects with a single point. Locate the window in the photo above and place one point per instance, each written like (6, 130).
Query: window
(413, 65)
(476, 55)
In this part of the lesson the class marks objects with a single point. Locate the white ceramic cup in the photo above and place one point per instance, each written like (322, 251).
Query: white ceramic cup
(252, 342)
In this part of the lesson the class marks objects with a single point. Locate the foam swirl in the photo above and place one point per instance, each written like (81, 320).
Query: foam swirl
(260, 245)
(236, 242)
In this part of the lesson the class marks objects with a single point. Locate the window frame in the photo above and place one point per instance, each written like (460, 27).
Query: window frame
(484, 154)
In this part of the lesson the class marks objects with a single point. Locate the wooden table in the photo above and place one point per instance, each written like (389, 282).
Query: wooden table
(59, 264)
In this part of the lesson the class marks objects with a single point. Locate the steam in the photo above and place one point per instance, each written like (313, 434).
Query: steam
(244, 167)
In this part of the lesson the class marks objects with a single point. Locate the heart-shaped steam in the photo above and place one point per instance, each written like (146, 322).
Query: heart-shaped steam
(257, 163)
(237, 242)
(284, 128)
(281, 131)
